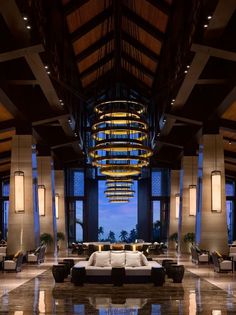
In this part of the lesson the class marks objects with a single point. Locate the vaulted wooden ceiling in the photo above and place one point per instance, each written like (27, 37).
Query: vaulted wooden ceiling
(53, 64)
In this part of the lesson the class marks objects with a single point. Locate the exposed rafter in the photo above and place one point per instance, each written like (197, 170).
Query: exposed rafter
(138, 65)
(160, 5)
(73, 5)
(7, 125)
(97, 65)
(149, 28)
(140, 47)
(94, 47)
(87, 27)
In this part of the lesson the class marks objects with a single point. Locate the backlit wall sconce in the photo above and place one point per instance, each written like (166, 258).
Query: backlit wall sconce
(216, 191)
(177, 205)
(57, 205)
(41, 199)
(19, 186)
(216, 202)
(192, 200)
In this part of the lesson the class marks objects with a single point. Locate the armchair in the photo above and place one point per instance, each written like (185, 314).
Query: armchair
(37, 256)
(14, 264)
(221, 264)
(199, 256)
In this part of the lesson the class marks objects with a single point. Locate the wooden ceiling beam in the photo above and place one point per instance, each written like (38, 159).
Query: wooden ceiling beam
(19, 53)
(160, 5)
(49, 120)
(21, 82)
(87, 27)
(5, 139)
(184, 119)
(94, 47)
(228, 125)
(145, 25)
(5, 156)
(8, 104)
(7, 125)
(227, 102)
(138, 65)
(134, 83)
(139, 46)
(214, 52)
(97, 65)
(73, 5)
(211, 81)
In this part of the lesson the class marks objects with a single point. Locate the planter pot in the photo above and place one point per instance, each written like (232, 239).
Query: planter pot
(158, 276)
(58, 272)
(78, 276)
(67, 267)
(177, 273)
(168, 268)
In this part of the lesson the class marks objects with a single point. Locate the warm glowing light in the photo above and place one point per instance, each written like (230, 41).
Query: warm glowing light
(57, 205)
(134, 248)
(192, 200)
(19, 191)
(177, 205)
(216, 191)
(41, 199)
(99, 248)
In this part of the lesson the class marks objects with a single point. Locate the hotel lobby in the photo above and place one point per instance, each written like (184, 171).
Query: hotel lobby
(118, 157)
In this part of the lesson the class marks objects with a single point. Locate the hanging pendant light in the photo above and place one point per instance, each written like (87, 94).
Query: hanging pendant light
(119, 187)
(216, 201)
(19, 184)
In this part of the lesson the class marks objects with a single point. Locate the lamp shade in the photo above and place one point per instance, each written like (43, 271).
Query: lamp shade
(216, 191)
(19, 179)
(41, 199)
(192, 200)
(57, 205)
(177, 205)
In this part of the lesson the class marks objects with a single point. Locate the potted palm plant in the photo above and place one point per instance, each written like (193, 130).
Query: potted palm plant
(46, 239)
(174, 238)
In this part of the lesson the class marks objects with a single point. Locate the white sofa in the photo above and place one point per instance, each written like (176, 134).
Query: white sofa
(100, 265)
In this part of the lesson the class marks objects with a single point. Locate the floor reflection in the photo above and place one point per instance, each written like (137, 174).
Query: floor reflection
(42, 296)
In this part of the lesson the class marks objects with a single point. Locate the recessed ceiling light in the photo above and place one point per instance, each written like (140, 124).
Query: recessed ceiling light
(28, 27)
(186, 71)
(48, 72)
(209, 17)
(46, 67)
(25, 18)
(188, 66)
(230, 142)
(205, 25)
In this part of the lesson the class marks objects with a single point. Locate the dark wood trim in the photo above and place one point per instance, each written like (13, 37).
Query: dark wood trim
(138, 65)
(87, 27)
(149, 28)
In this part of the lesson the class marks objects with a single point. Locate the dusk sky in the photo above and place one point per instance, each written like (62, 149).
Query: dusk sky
(116, 216)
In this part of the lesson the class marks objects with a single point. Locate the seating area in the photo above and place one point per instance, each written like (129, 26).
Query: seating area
(118, 157)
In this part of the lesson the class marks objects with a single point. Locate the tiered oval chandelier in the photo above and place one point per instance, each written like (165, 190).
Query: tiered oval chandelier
(119, 189)
(120, 133)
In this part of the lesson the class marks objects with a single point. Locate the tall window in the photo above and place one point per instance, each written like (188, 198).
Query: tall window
(230, 196)
(75, 204)
(117, 221)
(5, 207)
(160, 203)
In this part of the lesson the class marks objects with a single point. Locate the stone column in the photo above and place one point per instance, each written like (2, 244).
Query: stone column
(23, 227)
(187, 222)
(48, 221)
(212, 227)
(174, 189)
(61, 220)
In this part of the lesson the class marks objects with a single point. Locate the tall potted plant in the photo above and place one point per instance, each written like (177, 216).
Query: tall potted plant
(46, 239)
(190, 239)
(174, 238)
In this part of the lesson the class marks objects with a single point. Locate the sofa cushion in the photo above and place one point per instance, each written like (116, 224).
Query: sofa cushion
(144, 260)
(102, 259)
(133, 260)
(91, 261)
(117, 259)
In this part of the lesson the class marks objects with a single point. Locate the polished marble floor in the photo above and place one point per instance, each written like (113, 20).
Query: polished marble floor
(35, 292)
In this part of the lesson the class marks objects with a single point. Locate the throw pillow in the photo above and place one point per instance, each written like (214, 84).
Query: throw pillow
(144, 260)
(17, 254)
(91, 261)
(218, 254)
(102, 259)
(117, 259)
(133, 260)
